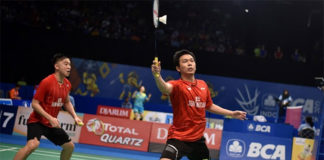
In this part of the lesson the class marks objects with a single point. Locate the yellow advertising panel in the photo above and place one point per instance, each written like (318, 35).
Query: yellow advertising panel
(302, 149)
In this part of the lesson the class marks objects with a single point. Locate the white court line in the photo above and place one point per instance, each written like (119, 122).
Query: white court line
(55, 156)
(8, 149)
(4, 146)
(73, 155)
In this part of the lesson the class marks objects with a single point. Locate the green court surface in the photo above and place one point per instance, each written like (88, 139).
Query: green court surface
(8, 151)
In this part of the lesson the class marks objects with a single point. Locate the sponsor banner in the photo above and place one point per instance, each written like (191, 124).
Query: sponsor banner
(24, 103)
(7, 118)
(159, 136)
(114, 111)
(263, 128)
(117, 81)
(68, 124)
(293, 116)
(152, 116)
(21, 121)
(169, 119)
(237, 146)
(5, 101)
(214, 123)
(66, 121)
(302, 148)
(159, 133)
(213, 138)
(115, 132)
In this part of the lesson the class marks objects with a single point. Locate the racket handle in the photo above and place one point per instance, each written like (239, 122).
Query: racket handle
(156, 59)
(80, 123)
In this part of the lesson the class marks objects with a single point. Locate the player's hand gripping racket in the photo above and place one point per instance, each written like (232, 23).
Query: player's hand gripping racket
(156, 20)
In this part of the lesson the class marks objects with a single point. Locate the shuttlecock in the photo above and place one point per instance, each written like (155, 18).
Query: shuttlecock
(163, 19)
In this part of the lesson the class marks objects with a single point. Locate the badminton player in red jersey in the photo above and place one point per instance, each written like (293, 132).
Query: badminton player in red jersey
(52, 93)
(190, 99)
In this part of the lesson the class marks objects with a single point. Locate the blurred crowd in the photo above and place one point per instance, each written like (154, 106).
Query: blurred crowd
(132, 20)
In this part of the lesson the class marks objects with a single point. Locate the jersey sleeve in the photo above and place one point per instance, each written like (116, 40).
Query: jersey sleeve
(41, 91)
(209, 101)
(145, 96)
(175, 86)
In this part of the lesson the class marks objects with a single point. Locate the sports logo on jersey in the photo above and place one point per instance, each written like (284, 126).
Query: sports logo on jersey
(197, 103)
(59, 103)
(235, 148)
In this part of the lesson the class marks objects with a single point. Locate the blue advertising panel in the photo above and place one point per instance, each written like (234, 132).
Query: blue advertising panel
(7, 118)
(23, 103)
(5, 101)
(237, 146)
(263, 128)
(117, 81)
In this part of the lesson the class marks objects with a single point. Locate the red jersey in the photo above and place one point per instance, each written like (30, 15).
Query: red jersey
(51, 96)
(189, 102)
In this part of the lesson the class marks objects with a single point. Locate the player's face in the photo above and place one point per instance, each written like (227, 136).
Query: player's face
(64, 66)
(142, 89)
(187, 64)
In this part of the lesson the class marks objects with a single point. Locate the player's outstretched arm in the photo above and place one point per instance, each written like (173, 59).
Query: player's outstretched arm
(134, 94)
(163, 86)
(222, 111)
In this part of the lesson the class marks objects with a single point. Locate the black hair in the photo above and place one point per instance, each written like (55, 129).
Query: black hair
(57, 57)
(140, 87)
(309, 120)
(180, 53)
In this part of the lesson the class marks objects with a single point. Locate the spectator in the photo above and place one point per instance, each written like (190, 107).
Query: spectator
(14, 92)
(22, 82)
(263, 52)
(257, 51)
(240, 50)
(307, 129)
(284, 101)
(127, 103)
(278, 54)
(35, 89)
(296, 56)
(72, 100)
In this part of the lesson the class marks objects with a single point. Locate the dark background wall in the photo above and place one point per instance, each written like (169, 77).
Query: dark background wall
(26, 49)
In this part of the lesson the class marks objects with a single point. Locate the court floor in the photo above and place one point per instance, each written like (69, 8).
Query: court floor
(10, 144)
(8, 151)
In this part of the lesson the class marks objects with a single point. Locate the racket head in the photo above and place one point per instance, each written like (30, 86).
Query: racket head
(156, 13)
